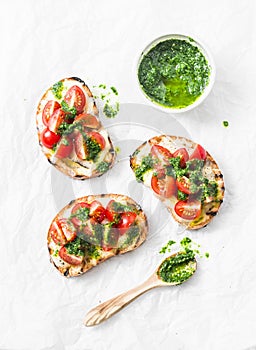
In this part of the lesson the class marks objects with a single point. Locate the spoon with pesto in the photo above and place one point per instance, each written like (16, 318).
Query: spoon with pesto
(174, 270)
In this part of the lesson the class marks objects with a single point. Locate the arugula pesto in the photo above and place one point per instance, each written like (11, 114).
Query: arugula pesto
(174, 73)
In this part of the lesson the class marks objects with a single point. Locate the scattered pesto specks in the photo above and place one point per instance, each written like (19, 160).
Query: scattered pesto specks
(225, 123)
(117, 149)
(167, 247)
(185, 245)
(108, 99)
(110, 110)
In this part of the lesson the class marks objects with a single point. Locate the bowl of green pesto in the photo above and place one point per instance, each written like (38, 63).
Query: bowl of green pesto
(175, 73)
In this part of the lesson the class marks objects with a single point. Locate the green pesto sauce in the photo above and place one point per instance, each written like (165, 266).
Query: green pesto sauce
(57, 89)
(174, 73)
(102, 167)
(146, 164)
(111, 110)
(178, 268)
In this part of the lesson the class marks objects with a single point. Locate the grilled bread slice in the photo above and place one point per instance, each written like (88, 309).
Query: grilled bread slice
(92, 229)
(70, 132)
(182, 175)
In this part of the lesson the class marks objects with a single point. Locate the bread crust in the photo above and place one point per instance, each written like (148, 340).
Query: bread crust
(74, 168)
(68, 270)
(173, 143)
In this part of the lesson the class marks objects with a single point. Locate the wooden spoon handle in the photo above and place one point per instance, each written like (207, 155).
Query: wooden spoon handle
(107, 309)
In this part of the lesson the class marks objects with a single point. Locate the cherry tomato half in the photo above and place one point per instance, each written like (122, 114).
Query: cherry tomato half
(76, 221)
(98, 138)
(184, 156)
(49, 109)
(199, 153)
(97, 211)
(161, 153)
(56, 119)
(75, 98)
(165, 187)
(127, 219)
(80, 146)
(188, 210)
(49, 138)
(57, 234)
(68, 229)
(65, 148)
(70, 258)
(183, 184)
(87, 120)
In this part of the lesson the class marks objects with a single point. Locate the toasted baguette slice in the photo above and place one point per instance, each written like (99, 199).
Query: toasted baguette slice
(81, 235)
(77, 164)
(210, 170)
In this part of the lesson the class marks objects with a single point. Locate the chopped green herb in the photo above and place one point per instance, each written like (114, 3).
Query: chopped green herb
(93, 148)
(146, 164)
(75, 247)
(121, 208)
(63, 128)
(114, 90)
(69, 110)
(82, 214)
(57, 89)
(207, 255)
(181, 196)
(225, 123)
(102, 167)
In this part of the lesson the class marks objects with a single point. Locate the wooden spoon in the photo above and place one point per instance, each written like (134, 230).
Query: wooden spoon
(107, 309)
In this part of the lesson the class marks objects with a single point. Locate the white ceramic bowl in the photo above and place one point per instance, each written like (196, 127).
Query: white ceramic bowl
(208, 57)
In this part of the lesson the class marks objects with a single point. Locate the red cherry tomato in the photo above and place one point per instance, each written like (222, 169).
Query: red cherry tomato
(75, 98)
(165, 187)
(70, 258)
(98, 138)
(184, 156)
(97, 211)
(87, 120)
(188, 210)
(183, 184)
(199, 153)
(65, 148)
(49, 138)
(49, 109)
(127, 219)
(76, 221)
(57, 234)
(68, 230)
(162, 153)
(80, 146)
(56, 119)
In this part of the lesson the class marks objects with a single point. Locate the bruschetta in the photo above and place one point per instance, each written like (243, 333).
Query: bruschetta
(183, 175)
(70, 132)
(92, 229)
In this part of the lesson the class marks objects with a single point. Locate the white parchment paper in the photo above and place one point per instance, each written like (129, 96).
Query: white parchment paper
(43, 41)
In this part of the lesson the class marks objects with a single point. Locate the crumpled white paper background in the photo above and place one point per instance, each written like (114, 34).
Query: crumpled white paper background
(43, 41)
